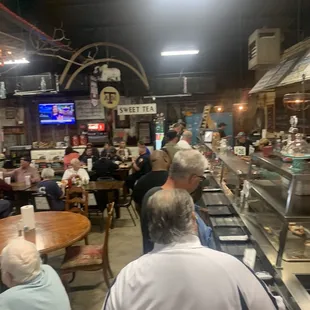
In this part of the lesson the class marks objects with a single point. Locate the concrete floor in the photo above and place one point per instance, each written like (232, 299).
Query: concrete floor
(88, 289)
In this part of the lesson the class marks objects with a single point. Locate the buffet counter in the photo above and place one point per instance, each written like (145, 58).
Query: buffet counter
(280, 252)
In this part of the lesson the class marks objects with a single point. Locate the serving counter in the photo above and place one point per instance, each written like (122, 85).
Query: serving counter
(272, 205)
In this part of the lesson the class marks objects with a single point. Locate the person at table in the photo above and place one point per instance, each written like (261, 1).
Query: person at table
(171, 146)
(185, 141)
(50, 188)
(94, 150)
(185, 172)
(87, 155)
(106, 150)
(140, 167)
(7, 195)
(113, 155)
(141, 143)
(24, 170)
(123, 151)
(157, 177)
(177, 272)
(104, 167)
(31, 284)
(70, 154)
(242, 140)
(75, 171)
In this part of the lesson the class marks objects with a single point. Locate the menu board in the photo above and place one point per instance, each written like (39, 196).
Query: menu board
(302, 67)
(86, 111)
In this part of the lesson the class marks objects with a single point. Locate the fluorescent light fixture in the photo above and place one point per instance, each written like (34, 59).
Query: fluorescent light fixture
(180, 53)
(16, 61)
(167, 96)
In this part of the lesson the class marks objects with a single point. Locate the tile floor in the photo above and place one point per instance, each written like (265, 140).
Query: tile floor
(88, 290)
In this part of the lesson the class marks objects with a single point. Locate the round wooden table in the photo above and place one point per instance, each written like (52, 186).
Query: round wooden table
(54, 230)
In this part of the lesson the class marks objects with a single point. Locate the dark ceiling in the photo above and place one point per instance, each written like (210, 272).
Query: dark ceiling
(218, 28)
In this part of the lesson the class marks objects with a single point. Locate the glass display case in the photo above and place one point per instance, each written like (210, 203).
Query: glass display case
(279, 203)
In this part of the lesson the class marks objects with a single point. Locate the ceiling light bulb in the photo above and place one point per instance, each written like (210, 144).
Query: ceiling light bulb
(9, 53)
(219, 109)
(153, 98)
(16, 61)
(241, 108)
(297, 101)
(179, 53)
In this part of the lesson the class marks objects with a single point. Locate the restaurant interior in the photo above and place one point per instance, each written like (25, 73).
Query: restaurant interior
(86, 83)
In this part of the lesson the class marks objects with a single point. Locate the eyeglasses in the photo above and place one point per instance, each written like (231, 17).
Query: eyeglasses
(201, 177)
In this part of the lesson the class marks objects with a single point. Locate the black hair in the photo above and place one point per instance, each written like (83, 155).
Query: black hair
(69, 150)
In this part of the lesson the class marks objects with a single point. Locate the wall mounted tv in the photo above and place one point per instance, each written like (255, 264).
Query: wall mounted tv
(57, 113)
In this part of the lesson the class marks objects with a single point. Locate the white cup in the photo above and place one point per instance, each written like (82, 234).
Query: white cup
(27, 180)
(1, 175)
(7, 180)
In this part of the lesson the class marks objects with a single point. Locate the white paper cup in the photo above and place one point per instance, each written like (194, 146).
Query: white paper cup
(27, 180)
(7, 180)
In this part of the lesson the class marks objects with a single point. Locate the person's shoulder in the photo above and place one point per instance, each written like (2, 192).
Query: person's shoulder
(150, 192)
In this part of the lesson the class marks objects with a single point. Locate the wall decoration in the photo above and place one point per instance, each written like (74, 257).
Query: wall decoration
(137, 109)
(85, 110)
(121, 121)
(109, 97)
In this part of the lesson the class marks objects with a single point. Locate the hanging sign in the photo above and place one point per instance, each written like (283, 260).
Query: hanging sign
(136, 109)
(94, 98)
(109, 97)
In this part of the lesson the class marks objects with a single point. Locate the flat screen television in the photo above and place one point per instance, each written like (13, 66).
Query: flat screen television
(57, 113)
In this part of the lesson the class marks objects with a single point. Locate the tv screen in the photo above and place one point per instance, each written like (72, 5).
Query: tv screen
(57, 113)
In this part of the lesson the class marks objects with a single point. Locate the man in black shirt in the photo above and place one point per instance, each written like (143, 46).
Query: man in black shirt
(221, 129)
(157, 177)
(104, 167)
(242, 140)
(140, 166)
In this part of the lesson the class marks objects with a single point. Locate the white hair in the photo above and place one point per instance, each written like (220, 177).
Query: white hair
(47, 173)
(169, 214)
(21, 260)
(187, 135)
(187, 163)
(75, 161)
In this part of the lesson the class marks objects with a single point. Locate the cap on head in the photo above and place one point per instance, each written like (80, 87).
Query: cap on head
(171, 134)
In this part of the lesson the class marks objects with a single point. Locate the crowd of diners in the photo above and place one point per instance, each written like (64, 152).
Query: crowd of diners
(180, 267)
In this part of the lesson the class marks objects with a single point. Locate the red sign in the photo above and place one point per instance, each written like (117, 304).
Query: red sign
(96, 127)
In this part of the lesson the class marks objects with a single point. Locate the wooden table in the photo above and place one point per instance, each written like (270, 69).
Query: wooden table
(54, 230)
(107, 185)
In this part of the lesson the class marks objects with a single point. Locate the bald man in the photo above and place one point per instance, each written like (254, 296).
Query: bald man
(160, 163)
(31, 284)
(186, 141)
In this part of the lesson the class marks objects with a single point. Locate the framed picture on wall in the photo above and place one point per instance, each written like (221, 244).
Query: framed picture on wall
(122, 121)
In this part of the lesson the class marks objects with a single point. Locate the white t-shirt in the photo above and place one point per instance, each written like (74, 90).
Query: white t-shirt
(82, 173)
(184, 145)
(186, 276)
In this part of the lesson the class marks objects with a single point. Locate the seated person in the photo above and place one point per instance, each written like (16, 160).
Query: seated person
(175, 275)
(76, 170)
(104, 167)
(157, 177)
(5, 204)
(94, 150)
(86, 155)
(31, 284)
(140, 167)
(113, 155)
(141, 143)
(242, 140)
(50, 188)
(106, 150)
(123, 151)
(24, 170)
(69, 155)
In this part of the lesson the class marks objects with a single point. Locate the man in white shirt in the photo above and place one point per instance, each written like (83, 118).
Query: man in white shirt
(186, 140)
(31, 284)
(181, 274)
(76, 170)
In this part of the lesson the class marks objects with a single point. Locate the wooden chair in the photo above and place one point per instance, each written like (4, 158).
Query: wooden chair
(126, 202)
(90, 257)
(77, 200)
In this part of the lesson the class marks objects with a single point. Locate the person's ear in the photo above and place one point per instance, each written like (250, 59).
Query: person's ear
(7, 279)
